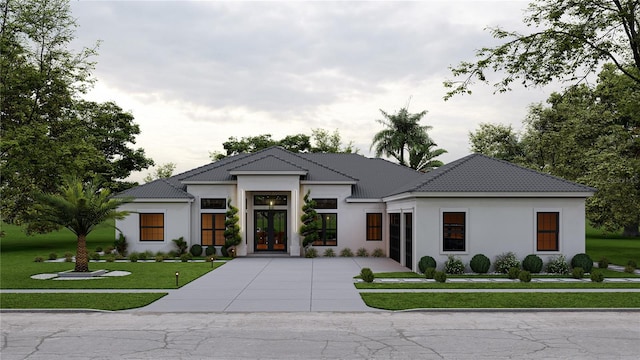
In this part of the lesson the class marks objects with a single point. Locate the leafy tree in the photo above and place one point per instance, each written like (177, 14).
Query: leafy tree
(80, 207)
(569, 41)
(496, 140)
(232, 229)
(46, 130)
(162, 172)
(330, 143)
(402, 135)
(310, 226)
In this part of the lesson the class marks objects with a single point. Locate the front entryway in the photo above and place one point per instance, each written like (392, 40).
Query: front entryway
(270, 230)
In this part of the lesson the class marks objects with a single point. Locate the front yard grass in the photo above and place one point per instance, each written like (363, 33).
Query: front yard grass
(617, 249)
(405, 301)
(513, 285)
(102, 301)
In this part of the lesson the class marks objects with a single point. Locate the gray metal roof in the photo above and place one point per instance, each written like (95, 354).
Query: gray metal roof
(371, 178)
(480, 173)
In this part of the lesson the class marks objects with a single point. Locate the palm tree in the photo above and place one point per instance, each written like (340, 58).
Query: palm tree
(80, 207)
(404, 134)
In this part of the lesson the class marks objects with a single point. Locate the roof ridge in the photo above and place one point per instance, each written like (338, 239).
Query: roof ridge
(318, 164)
(452, 165)
(213, 165)
(534, 171)
(164, 180)
(270, 155)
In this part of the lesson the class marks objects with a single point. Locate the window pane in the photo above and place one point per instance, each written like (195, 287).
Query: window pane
(270, 200)
(326, 203)
(207, 237)
(453, 231)
(547, 231)
(151, 227)
(328, 233)
(374, 226)
(213, 203)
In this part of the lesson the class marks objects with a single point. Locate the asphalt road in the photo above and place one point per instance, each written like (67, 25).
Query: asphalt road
(321, 335)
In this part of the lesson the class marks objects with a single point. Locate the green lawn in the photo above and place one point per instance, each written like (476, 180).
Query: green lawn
(110, 301)
(404, 301)
(617, 249)
(513, 285)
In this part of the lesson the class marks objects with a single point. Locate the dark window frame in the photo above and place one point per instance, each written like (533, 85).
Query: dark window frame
(142, 227)
(213, 203)
(322, 232)
(326, 203)
(270, 200)
(454, 235)
(213, 230)
(555, 232)
(373, 230)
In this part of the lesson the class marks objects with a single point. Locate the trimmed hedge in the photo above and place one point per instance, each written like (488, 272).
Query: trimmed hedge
(426, 262)
(532, 263)
(582, 261)
(480, 264)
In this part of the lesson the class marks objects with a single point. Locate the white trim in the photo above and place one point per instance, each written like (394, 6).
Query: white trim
(535, 231)
(162, 200)
(224, 182)
(488, 195)
(268, 172)
(466, 231)
(356, 200)
(311, 182)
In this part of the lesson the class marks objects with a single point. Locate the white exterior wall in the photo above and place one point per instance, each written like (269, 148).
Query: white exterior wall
(402, 207)
(494, 226)
(225, 191)
(177, 217)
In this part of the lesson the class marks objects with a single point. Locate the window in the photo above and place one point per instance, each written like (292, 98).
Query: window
(213, 203)
(394, 236)
(326, 203)
(453, 231)
(374, 226)
(270, 200)
(212, 229)
(547, 231)
(151, 227)
(328, 232)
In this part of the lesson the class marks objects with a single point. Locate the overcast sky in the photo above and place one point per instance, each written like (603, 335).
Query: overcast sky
(195, 73)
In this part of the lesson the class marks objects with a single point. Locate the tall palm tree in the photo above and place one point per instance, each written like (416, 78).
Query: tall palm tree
(80, 207)
(404, 134)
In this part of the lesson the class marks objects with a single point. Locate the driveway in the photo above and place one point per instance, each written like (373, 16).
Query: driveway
(251, 284)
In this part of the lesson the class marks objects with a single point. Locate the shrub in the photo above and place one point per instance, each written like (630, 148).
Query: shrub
(38, 259)
(577, 272)
(362, 252)
(367, 275)
(110, 258)
(53, 256)
(185, 257)
(524, 276)
(95, 256)
(68, 254)
(632, 264)
(513, 272)
(159, 258)
(506, 261)
(68, 257)
(558, 265)
(173, 254)
(480, 264)
(133, 257)
(346, 252)
(629, 269)
(329, 253)
(210, 250)
(532, 263)
(597, 276)
(196, 250)
(99, 249)
(121, 245)
(440, 276)
(181, 245)
(143, 256)
(453, 265)
(377, 252)
(583, 261)
(603, 263)
(108, 250)
(119, 257)
(311, 252)
(429, 273)
(426, 262)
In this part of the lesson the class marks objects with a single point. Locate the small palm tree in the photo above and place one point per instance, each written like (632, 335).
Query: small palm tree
(80, 207)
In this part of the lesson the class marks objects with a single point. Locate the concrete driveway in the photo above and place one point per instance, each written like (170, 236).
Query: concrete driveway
(275, 284)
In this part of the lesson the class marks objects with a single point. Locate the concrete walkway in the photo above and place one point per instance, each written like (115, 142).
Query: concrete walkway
(275, 284)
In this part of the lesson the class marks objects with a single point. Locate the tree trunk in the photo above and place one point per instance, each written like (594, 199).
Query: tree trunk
(631, 230)
(82, 258)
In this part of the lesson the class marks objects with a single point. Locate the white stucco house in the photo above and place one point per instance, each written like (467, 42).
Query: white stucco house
(476, 204)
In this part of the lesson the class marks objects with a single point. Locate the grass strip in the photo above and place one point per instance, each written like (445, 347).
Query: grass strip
(110, 301)
(405, 301)
(514, 285)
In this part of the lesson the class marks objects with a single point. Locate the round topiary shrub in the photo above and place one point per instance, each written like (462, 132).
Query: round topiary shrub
(532, 263)
(429, 273)
(506, 261)
(426, 262)
(440, 276)
(38, 259)
(480, 264)
(53, 256)
(367, 275)
(582, 260)
(210, 250)
(513, 272)
(597, 276)
(577, 272)
(196, 250)
(524, 276)
(603, 263)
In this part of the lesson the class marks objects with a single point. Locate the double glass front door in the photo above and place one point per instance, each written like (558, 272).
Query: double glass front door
(270, 230)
